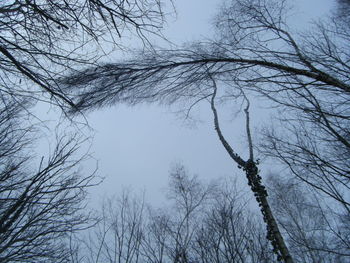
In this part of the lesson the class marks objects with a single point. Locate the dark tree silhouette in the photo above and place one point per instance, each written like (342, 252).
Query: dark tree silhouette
(41, 201)
(40, 40)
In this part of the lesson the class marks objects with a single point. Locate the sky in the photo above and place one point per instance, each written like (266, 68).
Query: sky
(136, 146)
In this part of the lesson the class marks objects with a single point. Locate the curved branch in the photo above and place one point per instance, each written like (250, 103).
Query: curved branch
(28, 73)
(249, 135)
(227, 146)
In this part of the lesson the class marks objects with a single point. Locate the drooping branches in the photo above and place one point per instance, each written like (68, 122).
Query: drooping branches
(170, 80)
(40, 40)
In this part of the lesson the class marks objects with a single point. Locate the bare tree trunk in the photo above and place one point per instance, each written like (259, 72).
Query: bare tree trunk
(254, 181)
(273, 232)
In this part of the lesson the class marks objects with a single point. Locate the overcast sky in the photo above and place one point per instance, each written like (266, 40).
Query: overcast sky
(136, 147)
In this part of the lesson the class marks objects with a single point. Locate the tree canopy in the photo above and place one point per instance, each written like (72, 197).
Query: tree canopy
(51, 51)
(305, 74)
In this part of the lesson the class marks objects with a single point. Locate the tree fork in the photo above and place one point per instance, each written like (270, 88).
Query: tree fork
(254, 181)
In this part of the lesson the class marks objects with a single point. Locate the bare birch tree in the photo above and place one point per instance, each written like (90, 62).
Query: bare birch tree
(119, 232)
(305, 74)
(201, 222)
(314, 231)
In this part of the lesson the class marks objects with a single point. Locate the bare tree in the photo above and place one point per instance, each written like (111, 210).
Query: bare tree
(127, 232)
(305, 74)
(40, 40)
(173, 230)
(313, 230)
(156, 243)
(201, 223)
(342, 12)
(40, 206)
(118, 234)
(230, 231)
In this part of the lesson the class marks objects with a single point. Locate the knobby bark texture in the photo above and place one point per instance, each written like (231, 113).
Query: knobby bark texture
(254, 181)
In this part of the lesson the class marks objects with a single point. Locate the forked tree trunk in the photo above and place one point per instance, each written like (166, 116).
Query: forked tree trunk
(254, 181)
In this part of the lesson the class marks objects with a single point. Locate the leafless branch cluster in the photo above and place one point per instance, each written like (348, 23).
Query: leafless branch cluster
(209, 223)
(313, 229)
(246, 54)
(305, 74)
(202, 223)
(40, 40)
(41, 201)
